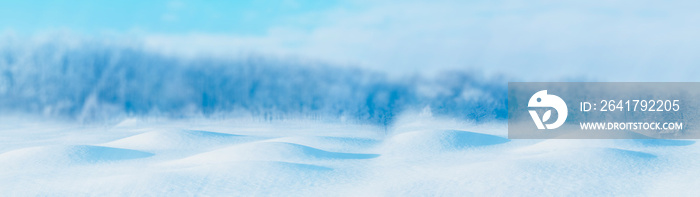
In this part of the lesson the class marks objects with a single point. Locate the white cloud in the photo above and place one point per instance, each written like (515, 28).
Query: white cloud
(611, 40)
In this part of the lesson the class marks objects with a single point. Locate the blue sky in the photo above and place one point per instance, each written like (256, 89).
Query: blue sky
(620, 40)
(245, 17)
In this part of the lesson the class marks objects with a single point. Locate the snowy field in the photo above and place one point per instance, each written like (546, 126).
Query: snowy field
(419, 156)
(330, 98)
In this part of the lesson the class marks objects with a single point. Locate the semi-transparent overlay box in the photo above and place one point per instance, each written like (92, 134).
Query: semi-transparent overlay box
(603, 110)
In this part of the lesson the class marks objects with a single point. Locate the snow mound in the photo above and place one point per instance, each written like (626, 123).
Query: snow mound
(253, 166)
(281, 159)
(66, 155)
(597, 155)
(441, 140)
(179, 139)
(340, 144)
(560, 144)
(549, 145)
(664, 142)
(271, 151)
(622, 153)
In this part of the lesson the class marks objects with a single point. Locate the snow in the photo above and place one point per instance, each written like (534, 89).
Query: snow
(417, 156)
(94, 119)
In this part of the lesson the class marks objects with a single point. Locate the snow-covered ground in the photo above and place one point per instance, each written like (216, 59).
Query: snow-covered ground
(331, 98)
(417, 156)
